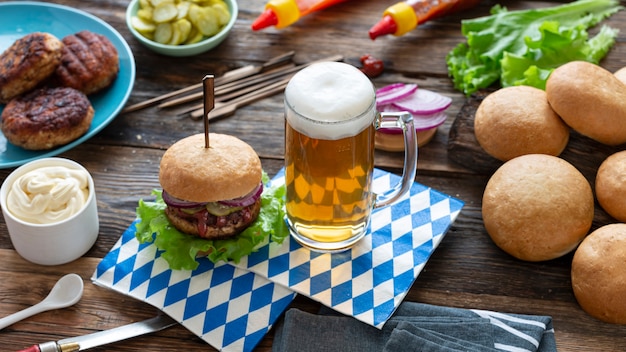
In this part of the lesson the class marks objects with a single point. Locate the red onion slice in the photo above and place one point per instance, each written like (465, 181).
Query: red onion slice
(421, 122)
(246, 200)
(393, 92)
(388, 89)
(423, 102)
(179, 203)
(389, 108)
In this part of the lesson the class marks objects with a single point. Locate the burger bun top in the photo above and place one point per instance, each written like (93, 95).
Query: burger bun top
(228, 169)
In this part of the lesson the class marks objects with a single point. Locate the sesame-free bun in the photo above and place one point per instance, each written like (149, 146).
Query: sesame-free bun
(611, 185)
(537, 207)
(228, 169)
(598, 275)
(621, 74)
(590, 99)
(518, 120)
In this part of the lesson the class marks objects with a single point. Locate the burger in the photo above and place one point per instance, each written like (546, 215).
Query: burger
(213, 203)
(211, 192)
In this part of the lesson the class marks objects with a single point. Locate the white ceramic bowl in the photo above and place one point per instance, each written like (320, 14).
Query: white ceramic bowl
(55, 243)
(183, 50)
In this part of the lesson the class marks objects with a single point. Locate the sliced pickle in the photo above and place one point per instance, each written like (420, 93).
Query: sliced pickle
(163, 33)
(156, 3)
(221, 10)
(145, 13)
(183, 9)
(164, 12)
(194, 36)
(176, 37)
(218, 209)
(142, 26)
(180, 31)
(176, 22)
(205, 19)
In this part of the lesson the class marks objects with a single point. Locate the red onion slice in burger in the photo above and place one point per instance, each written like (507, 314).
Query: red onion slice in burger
(179, 203)
(246, 200)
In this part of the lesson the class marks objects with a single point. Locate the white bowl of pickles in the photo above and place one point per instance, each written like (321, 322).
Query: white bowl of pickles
(181, 27)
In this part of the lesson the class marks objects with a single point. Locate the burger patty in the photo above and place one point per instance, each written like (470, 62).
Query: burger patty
(27, 63)
(46, 118)
(89, 62)
(208, 226)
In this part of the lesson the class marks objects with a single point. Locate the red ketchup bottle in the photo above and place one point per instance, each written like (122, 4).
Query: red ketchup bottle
(404, 16)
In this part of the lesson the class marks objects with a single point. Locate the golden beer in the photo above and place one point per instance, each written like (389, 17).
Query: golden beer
(330, 125)
(329, 184)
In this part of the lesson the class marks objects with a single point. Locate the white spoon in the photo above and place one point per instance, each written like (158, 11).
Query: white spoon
(66, 292)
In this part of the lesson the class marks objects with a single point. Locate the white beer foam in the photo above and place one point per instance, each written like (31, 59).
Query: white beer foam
(333, 100)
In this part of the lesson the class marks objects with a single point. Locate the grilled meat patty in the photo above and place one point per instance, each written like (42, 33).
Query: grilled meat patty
(28, 62)
(89, 62)
(203, 224)
(46, 118)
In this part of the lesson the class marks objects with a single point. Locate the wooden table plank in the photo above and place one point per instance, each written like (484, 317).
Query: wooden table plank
(467, 270)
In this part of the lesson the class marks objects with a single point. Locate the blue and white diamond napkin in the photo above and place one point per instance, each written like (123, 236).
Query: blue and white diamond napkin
(369, 280)
(229, 308)
(232, 306)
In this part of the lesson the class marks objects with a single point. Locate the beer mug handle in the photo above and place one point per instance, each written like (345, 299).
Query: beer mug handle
(403, 120)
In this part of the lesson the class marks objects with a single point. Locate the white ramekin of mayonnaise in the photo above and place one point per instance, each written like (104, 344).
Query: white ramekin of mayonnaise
(49, 207)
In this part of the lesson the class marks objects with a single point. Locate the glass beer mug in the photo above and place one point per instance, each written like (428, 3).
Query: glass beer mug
(330, 122)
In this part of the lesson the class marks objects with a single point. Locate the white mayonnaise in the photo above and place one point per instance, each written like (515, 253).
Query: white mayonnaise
(330, 100)
(48, 194)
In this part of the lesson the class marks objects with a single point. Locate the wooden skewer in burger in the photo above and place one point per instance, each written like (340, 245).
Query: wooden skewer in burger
(211, 189)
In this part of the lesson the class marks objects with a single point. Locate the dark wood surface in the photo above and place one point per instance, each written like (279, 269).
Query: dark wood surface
(467, 270)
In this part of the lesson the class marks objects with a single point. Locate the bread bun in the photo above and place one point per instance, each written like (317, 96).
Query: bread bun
(621, 74)
(598, 275)
(228, 169)
(611, 185)
(537, 207)
(590, 99)
(518, 120)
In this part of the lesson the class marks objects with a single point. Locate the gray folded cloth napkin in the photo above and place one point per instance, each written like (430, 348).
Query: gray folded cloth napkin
(415, 327)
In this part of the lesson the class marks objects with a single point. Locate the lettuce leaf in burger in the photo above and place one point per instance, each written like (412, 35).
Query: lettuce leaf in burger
(214, 203)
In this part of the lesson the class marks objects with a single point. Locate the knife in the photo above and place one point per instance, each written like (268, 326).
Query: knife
(81, 343)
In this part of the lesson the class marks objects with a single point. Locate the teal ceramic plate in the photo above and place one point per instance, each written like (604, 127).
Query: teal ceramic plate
(22, 17)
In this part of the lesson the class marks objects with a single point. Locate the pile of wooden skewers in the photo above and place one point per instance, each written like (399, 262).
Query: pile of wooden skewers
(232, 90)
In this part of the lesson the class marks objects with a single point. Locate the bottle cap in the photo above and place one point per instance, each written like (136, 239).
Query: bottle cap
(387, 25)
(278, 13)
(266, 19)
(401, 16)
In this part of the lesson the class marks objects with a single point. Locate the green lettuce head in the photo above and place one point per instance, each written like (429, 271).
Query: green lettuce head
(524, 47)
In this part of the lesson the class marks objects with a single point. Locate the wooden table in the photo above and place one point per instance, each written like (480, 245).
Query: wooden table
(467, 270)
